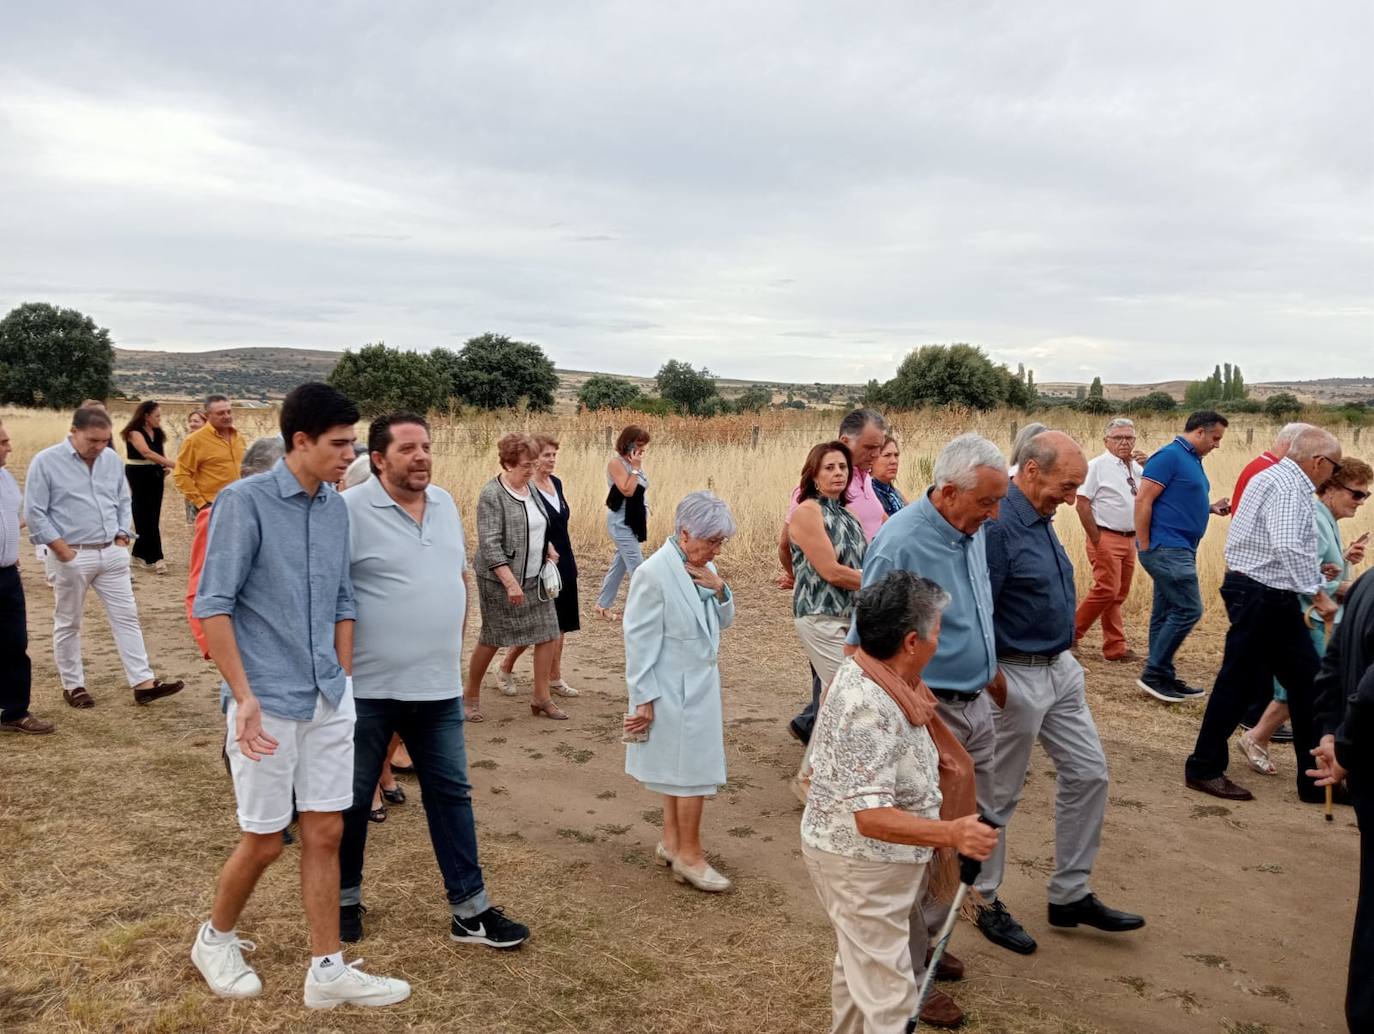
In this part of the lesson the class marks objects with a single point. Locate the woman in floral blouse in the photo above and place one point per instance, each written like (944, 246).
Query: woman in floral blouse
(891, 795)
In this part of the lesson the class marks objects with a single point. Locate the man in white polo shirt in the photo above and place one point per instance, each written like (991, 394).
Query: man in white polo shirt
(1106, 507)
(410, 583)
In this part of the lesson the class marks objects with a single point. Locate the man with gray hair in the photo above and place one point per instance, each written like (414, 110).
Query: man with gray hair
(1106, 508)
(1033, 606)
(863, 432)
(941, 536)
(77, 504)
(1283, 441)
(1271, 559)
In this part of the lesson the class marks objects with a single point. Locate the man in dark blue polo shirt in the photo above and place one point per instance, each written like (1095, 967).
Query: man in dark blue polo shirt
(1033, 604)
(1171, 513)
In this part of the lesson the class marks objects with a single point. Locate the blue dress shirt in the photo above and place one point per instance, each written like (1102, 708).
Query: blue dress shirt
(79, 504)
(1033, 595)
(919, 539)
(277, 563)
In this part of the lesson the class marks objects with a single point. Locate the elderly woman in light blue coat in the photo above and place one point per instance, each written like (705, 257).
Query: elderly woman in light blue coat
(675, 736)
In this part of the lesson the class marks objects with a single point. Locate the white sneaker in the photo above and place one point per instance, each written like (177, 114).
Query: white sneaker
(559, 688)
(505, 682)
(223, 967)
(353, 987)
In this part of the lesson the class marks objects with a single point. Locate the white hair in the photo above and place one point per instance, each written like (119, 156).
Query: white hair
(358, 471)
(1121, 421)
(1311, 443)
(959, 461)
(1023, 439)
(704, 515)
(1288, 433)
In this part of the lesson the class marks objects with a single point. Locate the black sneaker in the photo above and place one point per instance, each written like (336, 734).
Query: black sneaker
(1160, 689)
(491, 928)
(1000, 928)
(1284, 734)
(351, 923)
(1188, 691)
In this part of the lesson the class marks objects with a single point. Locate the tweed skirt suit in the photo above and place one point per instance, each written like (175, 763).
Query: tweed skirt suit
(503, 539)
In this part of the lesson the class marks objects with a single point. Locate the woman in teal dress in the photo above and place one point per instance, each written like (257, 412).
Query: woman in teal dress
(1338, 499)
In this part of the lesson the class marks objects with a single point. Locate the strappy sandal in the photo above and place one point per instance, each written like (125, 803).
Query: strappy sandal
(78, 697)
(606, 613)
(394, 796)
(548, 709)
(1256, 755)
(470, 714)
(377, 814)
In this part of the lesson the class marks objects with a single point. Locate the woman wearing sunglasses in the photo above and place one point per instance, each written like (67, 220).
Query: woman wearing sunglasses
(1340, 497)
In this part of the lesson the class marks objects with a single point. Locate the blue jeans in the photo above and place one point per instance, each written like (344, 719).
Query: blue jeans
(628, 556)
(432, 731)
(1177, 605)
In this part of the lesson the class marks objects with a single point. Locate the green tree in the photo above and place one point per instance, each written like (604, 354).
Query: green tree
(494, 372)
(603, 392)
(943, 375)
(1154, 402)
(1281, 405)
(753, 399)
(1095, 404)
(685, 387)
(380, 380)
(53, 357)
(1030, 385)
(1080, 393)
(1095, 388)
(1238, 388)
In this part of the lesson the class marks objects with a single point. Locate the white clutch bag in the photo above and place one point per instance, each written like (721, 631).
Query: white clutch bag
(550, 580)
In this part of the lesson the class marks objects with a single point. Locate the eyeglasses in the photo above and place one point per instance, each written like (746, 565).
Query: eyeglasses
(1357, 494)
(1120, 437)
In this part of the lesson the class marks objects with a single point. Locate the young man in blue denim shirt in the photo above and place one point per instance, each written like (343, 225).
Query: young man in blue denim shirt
(276, 605)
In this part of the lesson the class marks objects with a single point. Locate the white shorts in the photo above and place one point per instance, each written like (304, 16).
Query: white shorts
(314, 761)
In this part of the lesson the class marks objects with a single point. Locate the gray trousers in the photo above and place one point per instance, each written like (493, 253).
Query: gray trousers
(1048, 703)
(973, 725)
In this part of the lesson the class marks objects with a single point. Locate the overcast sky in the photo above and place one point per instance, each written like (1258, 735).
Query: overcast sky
(794, 191)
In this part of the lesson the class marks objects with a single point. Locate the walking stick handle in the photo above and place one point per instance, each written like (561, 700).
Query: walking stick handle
(969, 868)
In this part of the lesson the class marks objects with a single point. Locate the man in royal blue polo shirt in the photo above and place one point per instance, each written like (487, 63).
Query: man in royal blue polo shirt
(1171, 513)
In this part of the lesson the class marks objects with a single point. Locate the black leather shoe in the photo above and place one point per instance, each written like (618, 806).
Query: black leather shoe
(1089, 911)
(351, 923)
(799, 733)
(1000, 928)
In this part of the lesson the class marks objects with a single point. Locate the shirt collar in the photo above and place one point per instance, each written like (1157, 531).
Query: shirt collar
(1286, 463)
(287, 485)
(1021, 506)
(1186, 444)
(951, 535)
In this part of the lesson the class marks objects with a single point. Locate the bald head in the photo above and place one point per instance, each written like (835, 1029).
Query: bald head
(1052, 468)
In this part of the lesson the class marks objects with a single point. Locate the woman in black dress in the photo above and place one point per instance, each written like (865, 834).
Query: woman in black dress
(565, 603)
(146, 466)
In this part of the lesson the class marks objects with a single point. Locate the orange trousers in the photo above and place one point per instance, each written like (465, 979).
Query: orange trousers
(1113, 560)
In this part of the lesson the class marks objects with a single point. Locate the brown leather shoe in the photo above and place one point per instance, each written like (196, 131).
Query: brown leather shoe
(29, 725)
(941, 1011)
(1220, 787)
(157, 691)
(948, 968)
(1125, 658)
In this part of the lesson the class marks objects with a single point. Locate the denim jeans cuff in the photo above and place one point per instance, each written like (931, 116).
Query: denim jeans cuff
(351, 895)
(473, 906)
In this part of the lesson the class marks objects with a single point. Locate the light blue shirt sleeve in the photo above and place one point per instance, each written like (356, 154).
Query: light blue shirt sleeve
(37, 497)
(234, 538)
(125, 506)
(877, 563)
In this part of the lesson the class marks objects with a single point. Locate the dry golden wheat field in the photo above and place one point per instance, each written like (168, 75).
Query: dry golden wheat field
(112, 830)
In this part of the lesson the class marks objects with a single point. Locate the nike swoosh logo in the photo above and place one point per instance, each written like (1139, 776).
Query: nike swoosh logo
(481, 930)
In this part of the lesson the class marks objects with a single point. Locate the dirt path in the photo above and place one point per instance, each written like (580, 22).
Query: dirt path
(115, 827)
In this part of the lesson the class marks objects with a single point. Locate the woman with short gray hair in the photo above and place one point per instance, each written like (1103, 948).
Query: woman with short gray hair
(674, 733)
(892, 802)
(1022, 443)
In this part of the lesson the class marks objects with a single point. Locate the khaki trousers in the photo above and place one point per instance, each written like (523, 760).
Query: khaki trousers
(873, 907)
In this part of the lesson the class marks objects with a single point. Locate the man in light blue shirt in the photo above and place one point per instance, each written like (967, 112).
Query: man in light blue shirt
(276, 606)
(16, 671)
(409, 574)
(77, 504)
(941, 537)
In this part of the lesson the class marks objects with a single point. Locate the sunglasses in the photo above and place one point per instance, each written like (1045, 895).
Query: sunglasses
(1335, 467)
(1358, 495)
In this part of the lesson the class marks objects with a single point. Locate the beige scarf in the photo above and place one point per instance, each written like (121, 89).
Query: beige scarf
(959, 795)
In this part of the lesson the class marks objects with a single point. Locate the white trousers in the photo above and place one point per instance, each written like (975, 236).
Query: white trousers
(107, 572)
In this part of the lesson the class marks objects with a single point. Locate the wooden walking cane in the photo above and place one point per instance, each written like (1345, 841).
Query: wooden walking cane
(1329, 627)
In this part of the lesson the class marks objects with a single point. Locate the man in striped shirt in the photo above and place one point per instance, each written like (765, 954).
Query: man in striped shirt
(1271, 558)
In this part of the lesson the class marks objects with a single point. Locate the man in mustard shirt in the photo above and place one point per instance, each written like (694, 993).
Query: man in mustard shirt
(209, 459)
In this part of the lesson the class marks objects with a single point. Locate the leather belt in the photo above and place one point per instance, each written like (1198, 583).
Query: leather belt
(94, 545)
(954, 697)
(1124, 534)
(1029, 660)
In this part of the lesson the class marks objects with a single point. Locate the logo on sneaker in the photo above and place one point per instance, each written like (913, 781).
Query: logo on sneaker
(325, 964)
(481, 930)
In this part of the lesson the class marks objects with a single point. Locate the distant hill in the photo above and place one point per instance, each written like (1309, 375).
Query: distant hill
(265, 374)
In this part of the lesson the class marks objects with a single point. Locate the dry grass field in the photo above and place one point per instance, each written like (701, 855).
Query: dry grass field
(114, 828)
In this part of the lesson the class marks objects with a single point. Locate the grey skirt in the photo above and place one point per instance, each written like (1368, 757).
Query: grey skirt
(534, 621)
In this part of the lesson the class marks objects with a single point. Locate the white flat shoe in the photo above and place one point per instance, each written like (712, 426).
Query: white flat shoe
(562, 689)
(661, 853)
(705, 878)
(505, 682)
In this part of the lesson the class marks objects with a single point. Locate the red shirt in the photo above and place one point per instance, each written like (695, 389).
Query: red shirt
(1263, 461)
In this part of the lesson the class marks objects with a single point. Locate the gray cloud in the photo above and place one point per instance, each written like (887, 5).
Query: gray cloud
(1132, 190)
